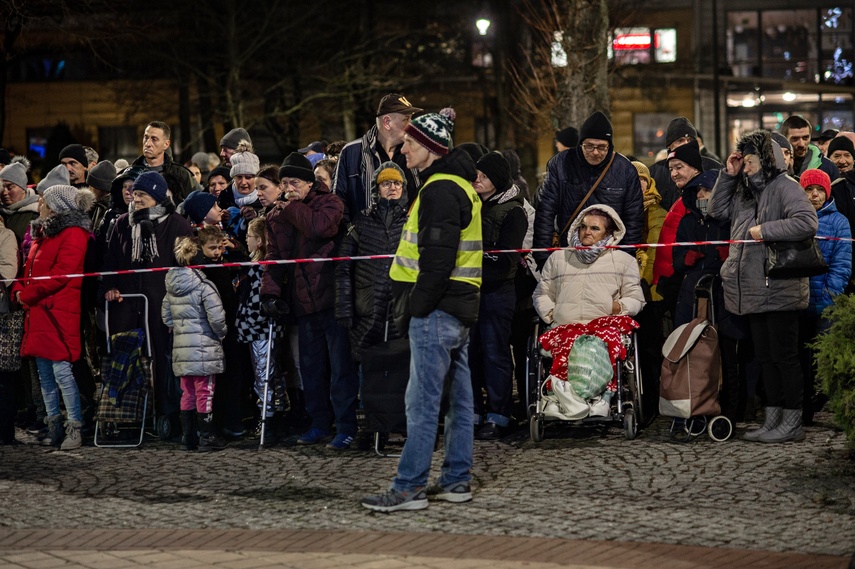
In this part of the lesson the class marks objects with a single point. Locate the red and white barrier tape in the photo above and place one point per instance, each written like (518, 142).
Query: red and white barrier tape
(390, 256)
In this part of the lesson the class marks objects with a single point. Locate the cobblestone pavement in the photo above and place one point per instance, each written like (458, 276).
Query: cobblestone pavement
(579, 483)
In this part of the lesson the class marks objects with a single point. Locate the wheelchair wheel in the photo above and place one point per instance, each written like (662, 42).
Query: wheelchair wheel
(630, 424)
(720, 429)
(536, 427)
(167, 427)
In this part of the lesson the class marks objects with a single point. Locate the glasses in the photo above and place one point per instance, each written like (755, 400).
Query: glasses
(388, 184)
(601, 148)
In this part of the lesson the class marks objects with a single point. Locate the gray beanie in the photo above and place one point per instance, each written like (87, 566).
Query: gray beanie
(56, 177)
(782, 141)
(101, 176)
(67, 198)
(15, 173)
(202, 160)
(244, 163)
(234, 136)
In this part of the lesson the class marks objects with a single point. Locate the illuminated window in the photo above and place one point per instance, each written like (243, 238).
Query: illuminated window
(631, 46)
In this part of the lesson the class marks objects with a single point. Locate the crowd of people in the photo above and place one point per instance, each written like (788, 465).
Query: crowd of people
(433, 212)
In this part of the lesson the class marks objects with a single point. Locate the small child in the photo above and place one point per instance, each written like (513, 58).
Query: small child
(193, 311)
(253, 327)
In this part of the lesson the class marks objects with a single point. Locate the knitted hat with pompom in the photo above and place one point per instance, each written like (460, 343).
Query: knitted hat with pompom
(433, 130)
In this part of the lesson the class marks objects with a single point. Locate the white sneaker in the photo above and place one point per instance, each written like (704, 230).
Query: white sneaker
(600, 408)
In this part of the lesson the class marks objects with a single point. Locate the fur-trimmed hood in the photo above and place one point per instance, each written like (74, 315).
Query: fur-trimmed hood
(759, 143)
(58, 222)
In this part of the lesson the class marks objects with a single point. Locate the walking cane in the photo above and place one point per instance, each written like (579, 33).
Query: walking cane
(266, 386)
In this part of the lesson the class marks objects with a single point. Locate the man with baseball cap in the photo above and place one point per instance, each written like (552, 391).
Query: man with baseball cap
(382, 143)
(823, 139)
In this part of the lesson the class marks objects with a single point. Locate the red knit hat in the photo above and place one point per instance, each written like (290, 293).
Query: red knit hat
(815, 177)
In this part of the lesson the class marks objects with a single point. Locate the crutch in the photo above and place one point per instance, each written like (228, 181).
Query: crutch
(266, 385)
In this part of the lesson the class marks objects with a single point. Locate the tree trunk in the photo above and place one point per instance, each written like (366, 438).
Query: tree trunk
(585, 41)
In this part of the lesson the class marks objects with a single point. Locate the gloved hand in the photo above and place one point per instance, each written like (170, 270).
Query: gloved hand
(642, 258)
(274, 307)
(692, 257)
(723, 251)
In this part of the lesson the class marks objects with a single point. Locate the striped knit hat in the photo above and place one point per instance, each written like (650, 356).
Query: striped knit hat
(433, 130)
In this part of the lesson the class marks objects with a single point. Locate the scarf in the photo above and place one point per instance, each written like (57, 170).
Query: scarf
(242, 200)
(369, 139)
(588, 256)
(143, 222)
(651, 197)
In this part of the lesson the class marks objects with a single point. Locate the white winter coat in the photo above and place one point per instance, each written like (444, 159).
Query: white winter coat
(571, 291)
(193, 309)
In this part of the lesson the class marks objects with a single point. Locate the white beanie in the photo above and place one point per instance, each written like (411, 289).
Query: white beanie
(66, 198)
(244, 163)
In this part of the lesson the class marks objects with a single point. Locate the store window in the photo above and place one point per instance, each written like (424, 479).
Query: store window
(631, 46)
(811, 45)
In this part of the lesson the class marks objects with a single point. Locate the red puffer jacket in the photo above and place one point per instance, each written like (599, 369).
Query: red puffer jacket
(52, 324)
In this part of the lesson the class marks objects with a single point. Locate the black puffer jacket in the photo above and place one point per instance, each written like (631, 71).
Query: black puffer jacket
(363, 289)
(569, 177)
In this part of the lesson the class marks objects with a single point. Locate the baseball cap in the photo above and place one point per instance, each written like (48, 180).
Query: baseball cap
(396, 103)
(316, 146)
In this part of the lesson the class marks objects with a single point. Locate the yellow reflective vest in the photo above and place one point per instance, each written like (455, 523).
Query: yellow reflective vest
(467, 266)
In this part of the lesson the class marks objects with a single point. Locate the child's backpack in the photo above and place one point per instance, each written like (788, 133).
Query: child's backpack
(691, 371)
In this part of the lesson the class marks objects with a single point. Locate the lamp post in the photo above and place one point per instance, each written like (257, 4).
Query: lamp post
(482, 24)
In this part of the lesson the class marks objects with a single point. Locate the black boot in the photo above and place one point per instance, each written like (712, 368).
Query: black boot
(189, 438)
(208, 438)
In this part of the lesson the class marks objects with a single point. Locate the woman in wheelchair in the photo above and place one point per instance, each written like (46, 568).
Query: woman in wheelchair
(582, 286)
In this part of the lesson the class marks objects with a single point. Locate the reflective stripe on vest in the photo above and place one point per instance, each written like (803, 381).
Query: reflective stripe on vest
(467, 266)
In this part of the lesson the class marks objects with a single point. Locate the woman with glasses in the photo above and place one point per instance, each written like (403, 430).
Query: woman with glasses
(363, 288)
(571, 174)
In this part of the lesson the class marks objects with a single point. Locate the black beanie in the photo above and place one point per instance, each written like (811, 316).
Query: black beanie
(297, 166)
(497, 169)
(75, 151)
(841, 143)
(679, 128)
(690, 154)
(569, 137)
(223, 171)
(596, 126)
(474, 150)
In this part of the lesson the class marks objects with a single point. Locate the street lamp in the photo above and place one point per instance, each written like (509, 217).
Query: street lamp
(483, 24)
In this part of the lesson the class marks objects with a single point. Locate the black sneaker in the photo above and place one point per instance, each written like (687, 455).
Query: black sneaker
(489, 432)
(394, 500)
(457, 493)
(37, 428)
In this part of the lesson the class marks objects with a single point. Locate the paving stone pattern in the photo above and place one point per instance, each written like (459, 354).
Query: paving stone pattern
(579, 483)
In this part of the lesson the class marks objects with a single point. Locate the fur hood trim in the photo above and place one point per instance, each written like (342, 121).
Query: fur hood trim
(759, 142)
(58, 222)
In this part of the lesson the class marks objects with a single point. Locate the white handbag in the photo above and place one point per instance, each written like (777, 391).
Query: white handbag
(573, 407)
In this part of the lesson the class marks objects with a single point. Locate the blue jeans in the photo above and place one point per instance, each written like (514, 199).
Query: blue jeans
(330, 383)
(439, 345)
(56, 377)
(490, 357)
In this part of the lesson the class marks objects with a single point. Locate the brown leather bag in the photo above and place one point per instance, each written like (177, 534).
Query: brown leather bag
(556, 236)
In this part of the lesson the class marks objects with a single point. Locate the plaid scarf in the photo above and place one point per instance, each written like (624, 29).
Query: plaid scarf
(143, 222)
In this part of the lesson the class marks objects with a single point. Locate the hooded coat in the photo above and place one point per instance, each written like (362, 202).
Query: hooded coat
(192, 308)
(300, 230)
(569, 177)
(571, 291)
(363, 289)
(775, 202)
(52, 322)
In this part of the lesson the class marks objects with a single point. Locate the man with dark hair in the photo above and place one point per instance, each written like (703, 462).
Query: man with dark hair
(74, 158)
(680, 131)
(156, 139)
(806, 156)
(382, 143)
